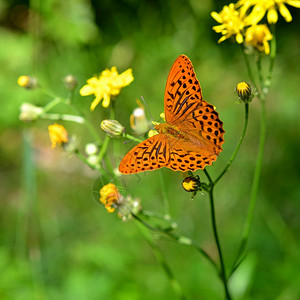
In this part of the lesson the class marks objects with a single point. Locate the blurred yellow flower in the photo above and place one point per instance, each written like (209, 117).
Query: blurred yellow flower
(58, 134)
(112, 200)
(110, 196)
(258, 36)
(27, 82)
(261, 7)
(232, 23)
(108, 84)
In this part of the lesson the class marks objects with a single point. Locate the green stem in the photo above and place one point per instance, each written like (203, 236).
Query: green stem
(259, 160)
(248, 65)
(52, 104)
(214, 225)
(255, 185)
(131, 137)
(84, 160)
(68, 117)
(208, 177)
(246, 105)
(63, 117)
(164, 194)
(181, 239)
(103, 148)
(161, 259)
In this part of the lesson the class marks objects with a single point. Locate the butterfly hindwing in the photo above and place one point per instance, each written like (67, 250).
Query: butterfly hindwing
(153, 153)
(204, 123)
(183, 93)
(184, 158)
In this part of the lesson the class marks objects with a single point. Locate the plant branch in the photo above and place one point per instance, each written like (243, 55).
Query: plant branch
(246, 105)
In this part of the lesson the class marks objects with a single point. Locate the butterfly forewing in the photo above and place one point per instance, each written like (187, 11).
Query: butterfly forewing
(183, 92)
(153, 153)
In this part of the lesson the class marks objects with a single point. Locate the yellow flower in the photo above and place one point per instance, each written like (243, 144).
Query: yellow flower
(58, 134)
(108, 84)
(261, 7)
(232, 22)
(110, 197)
(112, 200)
(258, 36)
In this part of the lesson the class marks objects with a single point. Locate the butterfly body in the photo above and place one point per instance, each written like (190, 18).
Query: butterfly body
(192, 136)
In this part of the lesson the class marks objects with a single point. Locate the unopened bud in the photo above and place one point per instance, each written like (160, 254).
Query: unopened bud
(191, 184)
(70, 82)
(27, 82)
(244, 92)
(91, 149)
(29, 112)
(138, 121)
(112, 127)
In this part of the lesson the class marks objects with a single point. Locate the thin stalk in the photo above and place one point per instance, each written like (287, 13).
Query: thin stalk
(259, 160)
(131, 137)
(246, 105)
(255, 185)
(161, 259)
(181, 239)
(84, 160)
(63, 117)
(214, 226)
(208, 177)
(248, 65)
(52, 104)
(164, 194)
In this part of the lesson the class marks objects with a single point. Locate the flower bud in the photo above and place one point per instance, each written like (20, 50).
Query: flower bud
(70, 82)
(27, 82)
(244, 92)
(29, 112)
(138, 121)
(112, 127)
(91, 149)
(191, 183)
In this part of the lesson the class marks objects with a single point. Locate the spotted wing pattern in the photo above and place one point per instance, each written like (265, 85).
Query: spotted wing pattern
(196, 136)
(153, 153)
(183, 93)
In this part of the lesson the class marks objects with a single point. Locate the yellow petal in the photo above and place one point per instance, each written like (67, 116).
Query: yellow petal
(267, 48)
(294, 3)
(272, 15)
(106, 100)
(95, 103)
(223, 38)
(255, 16)
(87, 90)
(218, 28)
(239, 38)
(217, 17)
(285, 12)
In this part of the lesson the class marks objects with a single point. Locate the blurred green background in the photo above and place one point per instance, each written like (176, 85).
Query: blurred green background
(56, 242)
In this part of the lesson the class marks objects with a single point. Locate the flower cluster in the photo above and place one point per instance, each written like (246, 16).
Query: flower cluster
(107, 85)
(241, 20)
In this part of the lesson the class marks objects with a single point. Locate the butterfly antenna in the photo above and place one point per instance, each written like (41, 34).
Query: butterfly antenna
(147, 108)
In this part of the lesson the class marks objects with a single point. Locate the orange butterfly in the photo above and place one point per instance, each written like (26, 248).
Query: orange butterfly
(192, 136)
